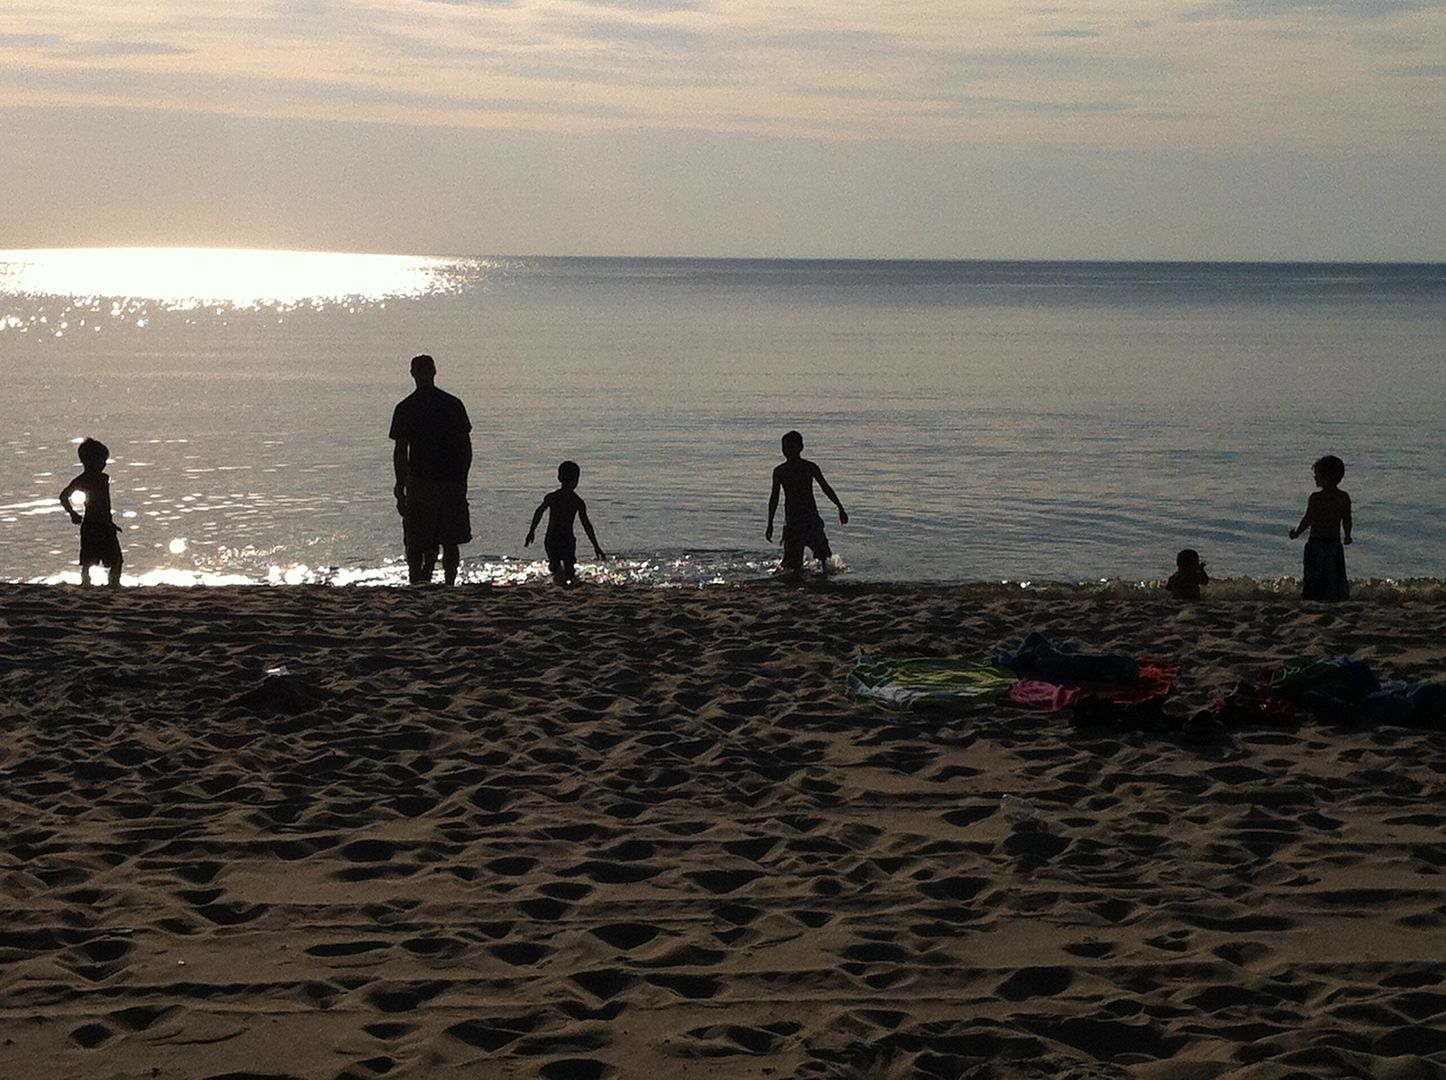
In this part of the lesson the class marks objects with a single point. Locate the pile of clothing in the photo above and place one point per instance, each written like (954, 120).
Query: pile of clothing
(1042, 674)
(1112, 690)
(1336, 689)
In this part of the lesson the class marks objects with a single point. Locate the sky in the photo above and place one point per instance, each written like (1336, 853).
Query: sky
(1202, 129)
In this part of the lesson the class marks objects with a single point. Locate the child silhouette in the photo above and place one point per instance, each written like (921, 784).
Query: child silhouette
(560, 543)
(802, 526)
(1328, 520)
(1189, 575)
(99, 544)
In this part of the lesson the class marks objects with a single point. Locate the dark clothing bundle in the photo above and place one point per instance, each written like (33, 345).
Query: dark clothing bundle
(1336, 689)
(1040, 657)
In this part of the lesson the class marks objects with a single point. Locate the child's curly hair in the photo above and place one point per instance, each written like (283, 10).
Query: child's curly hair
(1331, 467)
(93, 452)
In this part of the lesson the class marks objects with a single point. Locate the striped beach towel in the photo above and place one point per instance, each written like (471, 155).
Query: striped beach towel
(929, 682)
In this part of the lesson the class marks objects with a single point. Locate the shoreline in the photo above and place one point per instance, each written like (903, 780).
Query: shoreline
(1232, 589)
(602, 833)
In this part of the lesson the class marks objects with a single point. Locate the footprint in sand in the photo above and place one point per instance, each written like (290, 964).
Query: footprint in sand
(346, 948)
(626, 936)
(604, 983)
(402, 998)
(520, 954)
(493, 1033)
(731, 1040)
(91, 1035)
(695, 987)
(723, 881)
(576, 1069)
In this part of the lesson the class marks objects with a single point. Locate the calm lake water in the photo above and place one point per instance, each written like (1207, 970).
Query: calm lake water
(980, 420)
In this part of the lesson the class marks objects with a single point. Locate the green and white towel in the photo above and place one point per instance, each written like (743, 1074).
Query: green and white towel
(929, 682)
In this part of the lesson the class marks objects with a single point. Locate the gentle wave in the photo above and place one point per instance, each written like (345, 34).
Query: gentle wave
(741, 569)
(658, 570)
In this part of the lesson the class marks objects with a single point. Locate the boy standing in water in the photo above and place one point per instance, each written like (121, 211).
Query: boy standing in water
(1328, 519)
(98, 540)
(802, 527)
(560, 543)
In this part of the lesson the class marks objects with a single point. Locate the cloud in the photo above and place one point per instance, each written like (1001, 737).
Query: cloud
(679, 39)
(1043, 63)
(1351, 9)
(962, 104)
(30, 41)
(87, 50)
(1269, 72)
(199, 89)
(1417, 71)
(646, 5)
(1055, 108)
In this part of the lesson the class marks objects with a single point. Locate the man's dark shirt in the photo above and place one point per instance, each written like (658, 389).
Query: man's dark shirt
(435, 426)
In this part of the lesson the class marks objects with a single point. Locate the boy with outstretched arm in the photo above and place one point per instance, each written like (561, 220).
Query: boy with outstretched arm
(560, 542)
(802, 526)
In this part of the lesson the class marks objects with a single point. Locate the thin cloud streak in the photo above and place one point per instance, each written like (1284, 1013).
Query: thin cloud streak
(1233, 73)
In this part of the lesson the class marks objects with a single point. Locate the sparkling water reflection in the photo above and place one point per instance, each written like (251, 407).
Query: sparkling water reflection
(981, 421)
(188, 278)
(695, 569)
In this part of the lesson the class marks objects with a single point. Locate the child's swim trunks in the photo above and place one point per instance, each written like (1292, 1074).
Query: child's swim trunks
(1325, 570)
(798, 535)
(99, 543)
(561, 552)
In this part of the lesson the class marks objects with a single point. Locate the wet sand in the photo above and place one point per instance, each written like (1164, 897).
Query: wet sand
(520, 833)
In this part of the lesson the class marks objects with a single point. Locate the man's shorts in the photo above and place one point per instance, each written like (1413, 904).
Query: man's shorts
(798, 535)
(436, 514)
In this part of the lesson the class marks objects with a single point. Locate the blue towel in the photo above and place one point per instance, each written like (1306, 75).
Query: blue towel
(1040, 657)
(1413, 704)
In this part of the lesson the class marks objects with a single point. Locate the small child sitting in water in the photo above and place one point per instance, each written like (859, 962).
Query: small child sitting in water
(1189, 575)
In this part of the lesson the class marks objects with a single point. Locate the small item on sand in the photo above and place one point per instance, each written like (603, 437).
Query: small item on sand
(929, 682)
(1020, 811)
(281, 692)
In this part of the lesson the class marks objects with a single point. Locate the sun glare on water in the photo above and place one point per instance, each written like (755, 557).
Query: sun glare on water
(242, 278)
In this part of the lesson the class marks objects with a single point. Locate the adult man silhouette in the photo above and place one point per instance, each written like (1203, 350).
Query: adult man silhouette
(432, 456)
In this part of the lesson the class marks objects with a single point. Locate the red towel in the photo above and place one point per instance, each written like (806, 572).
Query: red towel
(1156, 681)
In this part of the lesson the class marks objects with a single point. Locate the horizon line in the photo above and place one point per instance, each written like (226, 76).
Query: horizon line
(11, 254)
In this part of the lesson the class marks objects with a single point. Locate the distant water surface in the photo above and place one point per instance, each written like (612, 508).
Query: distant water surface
(981, 420)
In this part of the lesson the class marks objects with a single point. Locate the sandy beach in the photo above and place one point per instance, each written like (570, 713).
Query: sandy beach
(647, 833)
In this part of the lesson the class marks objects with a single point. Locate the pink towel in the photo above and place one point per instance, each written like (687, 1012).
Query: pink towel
(1156, 681)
